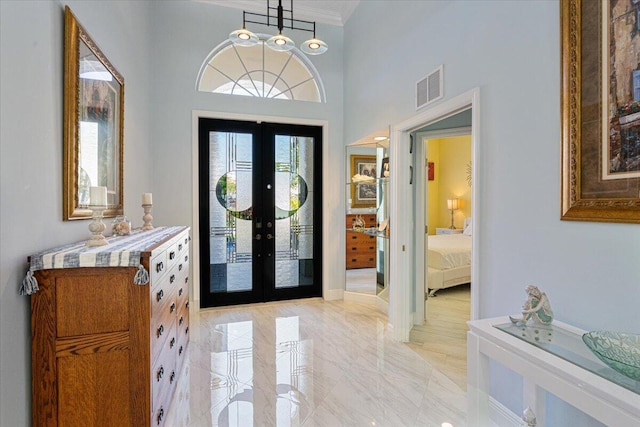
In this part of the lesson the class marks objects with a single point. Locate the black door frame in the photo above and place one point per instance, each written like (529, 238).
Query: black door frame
(263, 288)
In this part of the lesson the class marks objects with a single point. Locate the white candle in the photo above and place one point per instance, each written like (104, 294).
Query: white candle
(147, 199)
(98, 196)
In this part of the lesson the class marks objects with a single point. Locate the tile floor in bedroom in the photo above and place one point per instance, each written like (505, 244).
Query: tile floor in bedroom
(314, 363)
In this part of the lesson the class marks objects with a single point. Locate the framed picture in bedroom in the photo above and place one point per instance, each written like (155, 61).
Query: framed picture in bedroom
(384, 168)
(363, 181)
(600, 105)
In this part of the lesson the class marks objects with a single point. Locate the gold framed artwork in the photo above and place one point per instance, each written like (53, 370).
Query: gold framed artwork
(363, 181)
(600, 110)
(93, 124)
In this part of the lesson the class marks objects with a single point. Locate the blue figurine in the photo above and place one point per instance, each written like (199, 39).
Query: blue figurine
(536, 307)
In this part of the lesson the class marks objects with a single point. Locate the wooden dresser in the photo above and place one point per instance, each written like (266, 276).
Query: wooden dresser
(106, 351)
(361, 248)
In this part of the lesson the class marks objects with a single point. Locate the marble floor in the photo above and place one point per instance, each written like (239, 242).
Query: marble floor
(361, 280)
(442, 340)
(308, 363)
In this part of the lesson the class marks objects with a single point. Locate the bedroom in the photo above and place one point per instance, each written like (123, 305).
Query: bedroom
(447, 267)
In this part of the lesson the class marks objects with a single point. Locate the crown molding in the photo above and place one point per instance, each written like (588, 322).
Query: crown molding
(331, 12)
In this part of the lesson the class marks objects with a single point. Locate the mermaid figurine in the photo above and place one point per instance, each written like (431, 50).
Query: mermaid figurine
(536, 307)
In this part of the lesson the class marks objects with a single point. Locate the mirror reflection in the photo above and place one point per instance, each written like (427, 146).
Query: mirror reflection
(367, 216)
(98, 133)
(93, 122)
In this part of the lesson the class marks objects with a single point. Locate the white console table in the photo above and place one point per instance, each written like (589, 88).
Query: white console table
(550, 359)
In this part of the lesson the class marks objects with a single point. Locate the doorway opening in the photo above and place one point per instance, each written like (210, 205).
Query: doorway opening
(260, 211)
(407, 306)
(444, 199)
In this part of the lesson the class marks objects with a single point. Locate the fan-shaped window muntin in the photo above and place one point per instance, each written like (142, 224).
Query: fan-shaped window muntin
(261, 72)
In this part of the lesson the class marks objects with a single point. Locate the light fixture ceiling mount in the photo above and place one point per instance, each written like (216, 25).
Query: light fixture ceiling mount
(283, 19)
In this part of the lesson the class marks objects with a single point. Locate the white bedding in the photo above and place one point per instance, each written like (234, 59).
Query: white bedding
(447, 251)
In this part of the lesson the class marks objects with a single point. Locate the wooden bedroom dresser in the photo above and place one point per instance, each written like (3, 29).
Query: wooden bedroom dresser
(361, 248)
(107, 351)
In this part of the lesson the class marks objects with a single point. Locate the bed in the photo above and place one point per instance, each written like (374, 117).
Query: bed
(449, 260)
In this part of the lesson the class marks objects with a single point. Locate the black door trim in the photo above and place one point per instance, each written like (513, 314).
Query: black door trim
(263, 289)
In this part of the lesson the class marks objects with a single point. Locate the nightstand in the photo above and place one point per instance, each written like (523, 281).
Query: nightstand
(448, 231)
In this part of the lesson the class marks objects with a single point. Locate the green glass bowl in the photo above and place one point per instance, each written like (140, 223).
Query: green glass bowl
(618, 350)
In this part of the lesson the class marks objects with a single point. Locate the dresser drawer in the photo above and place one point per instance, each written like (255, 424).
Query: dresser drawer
(370, 220)
(163, 299)
(162, 322)
(161, 404)
(361, 246)
(172, 255)
(164, 368)
(183, 244)
(183, 334)
(361, 261)
(159, 267)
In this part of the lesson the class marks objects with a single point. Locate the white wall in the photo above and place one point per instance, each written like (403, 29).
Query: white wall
(511, 51)
(31, 81)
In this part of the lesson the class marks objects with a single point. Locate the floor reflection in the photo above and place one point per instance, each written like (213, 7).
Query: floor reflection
(307, 363)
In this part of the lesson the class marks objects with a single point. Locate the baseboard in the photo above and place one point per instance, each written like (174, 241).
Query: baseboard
(382, 305)
(333, 294)
(360, 298)
(501, 416)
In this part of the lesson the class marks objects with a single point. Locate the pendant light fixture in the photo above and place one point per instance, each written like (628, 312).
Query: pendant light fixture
(279, 42)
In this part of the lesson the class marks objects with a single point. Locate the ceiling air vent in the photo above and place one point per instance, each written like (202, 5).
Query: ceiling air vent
(429, 89)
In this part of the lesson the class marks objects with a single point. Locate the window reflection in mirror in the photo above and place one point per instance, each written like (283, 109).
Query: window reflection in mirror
(93, 116)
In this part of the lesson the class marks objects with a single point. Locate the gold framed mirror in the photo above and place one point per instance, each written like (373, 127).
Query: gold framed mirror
(93, 124)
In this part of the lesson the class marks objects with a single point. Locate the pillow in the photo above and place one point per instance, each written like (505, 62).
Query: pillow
(467, 230)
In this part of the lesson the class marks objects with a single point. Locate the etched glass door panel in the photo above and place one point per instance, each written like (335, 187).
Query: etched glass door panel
(230, 195)
(260, 210)
(294, 211)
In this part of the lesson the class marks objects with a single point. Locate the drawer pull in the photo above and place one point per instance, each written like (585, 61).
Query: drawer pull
(181, 321)
(353, 249)
(354, 237)
(172, 308)
(186, 258)
(186, 279)
(172, 255)
(370, 259)
(186, 240)
(180, 351)
(180, 292)
(160, 331)
(353, 260)
(186, 330)
(187, 304)
(172, 378)
(172, 278)
(371, 247)
(172, 342)
(180, 246)
(180, 267)
(160, 416)
(160, 373)
(159, 267)
(159, 295)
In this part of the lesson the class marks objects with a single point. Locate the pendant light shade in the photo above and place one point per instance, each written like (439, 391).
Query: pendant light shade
(314, 46)
(243, 37)
(280, 43)
(282, 18)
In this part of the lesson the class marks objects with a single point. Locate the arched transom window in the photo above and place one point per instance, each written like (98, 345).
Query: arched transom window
(260, 71)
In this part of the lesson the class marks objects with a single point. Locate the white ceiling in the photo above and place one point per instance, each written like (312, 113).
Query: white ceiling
(334, 12)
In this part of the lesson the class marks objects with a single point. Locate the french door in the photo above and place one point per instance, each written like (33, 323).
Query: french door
(260, 201)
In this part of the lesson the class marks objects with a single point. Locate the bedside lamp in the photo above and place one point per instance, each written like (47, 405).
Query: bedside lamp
(452, 205)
